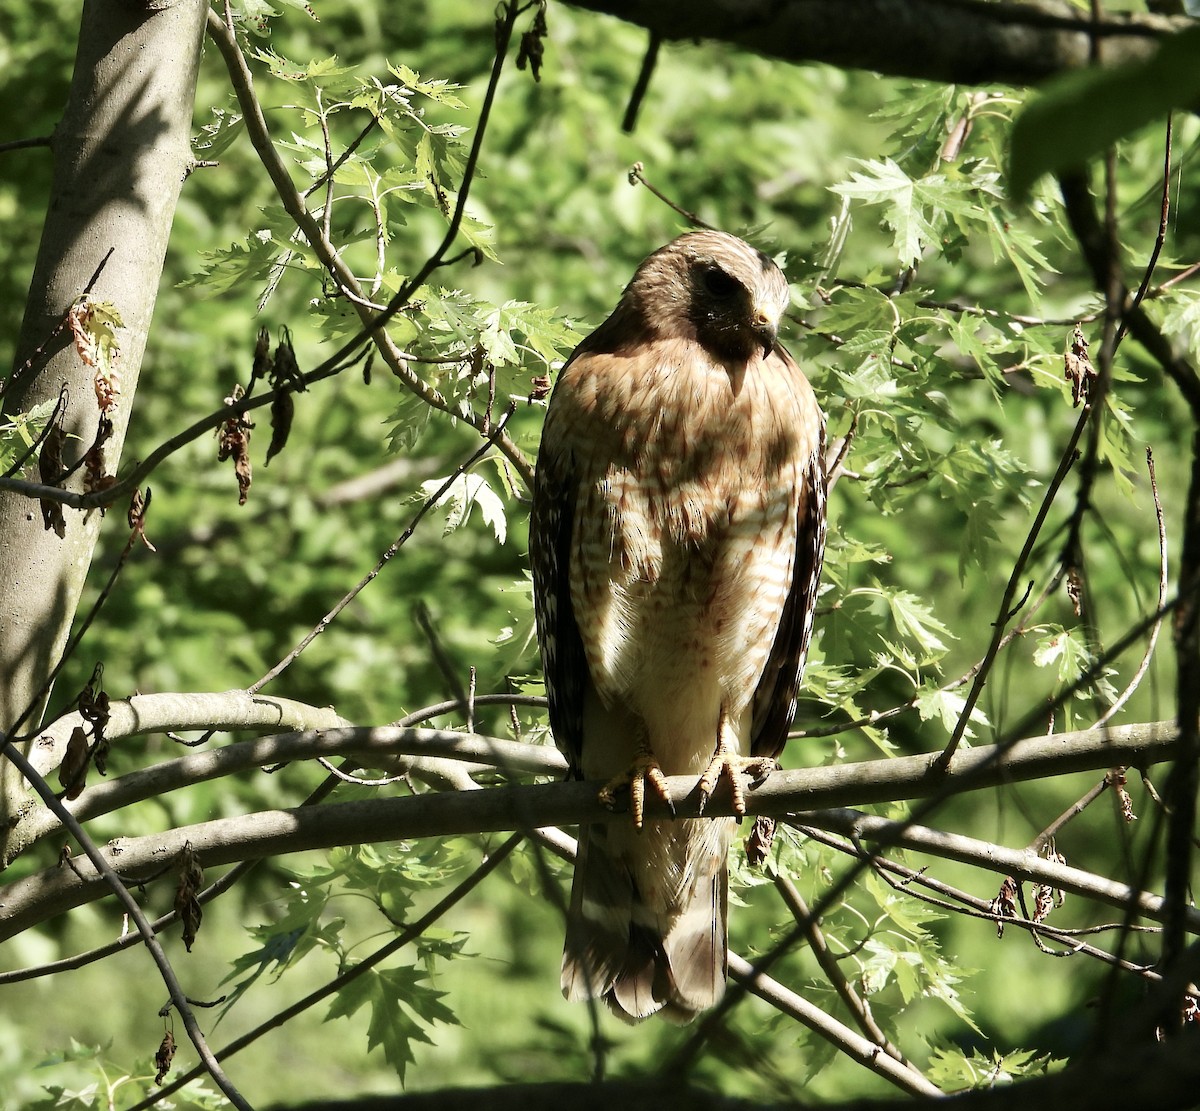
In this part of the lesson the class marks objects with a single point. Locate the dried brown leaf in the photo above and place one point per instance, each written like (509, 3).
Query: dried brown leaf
(1004, 905)
(1077, 367)
(758, 843)
(233, 442)
(72, 772)
(283, 412)
(187, 903)
(262, 355)
(50, 469)
(541, 387)
(163, 1056)
(286, 370)
(139, 506)
(1117, 781)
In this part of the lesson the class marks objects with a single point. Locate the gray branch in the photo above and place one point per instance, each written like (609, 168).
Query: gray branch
(268, 833)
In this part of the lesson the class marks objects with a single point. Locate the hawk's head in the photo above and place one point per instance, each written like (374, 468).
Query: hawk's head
(716, 287)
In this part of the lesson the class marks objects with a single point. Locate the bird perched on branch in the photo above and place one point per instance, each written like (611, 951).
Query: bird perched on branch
(676, 540)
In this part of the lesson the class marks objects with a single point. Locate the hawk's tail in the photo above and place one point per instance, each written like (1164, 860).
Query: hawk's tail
(662, 951)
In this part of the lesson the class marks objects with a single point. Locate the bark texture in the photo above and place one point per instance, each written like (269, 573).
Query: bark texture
(968, 42)
(121, 152)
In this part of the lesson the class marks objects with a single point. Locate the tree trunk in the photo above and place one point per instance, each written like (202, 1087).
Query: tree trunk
(121, 152)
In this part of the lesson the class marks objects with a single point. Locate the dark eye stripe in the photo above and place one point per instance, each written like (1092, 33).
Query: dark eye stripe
(719, 283)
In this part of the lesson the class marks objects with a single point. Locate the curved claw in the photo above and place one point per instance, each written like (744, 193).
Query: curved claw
(729, 765)
(644, 769)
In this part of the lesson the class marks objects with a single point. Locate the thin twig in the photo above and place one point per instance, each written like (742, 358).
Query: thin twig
(196, 1036)
(866, 1053)
(404, 537)
(637, 177)
(1073, 811)
(441, 657)
(908, 880)
(25, 144)
(59, 407)
(642, 85)
(858, 1007)
(488, 865)
(1004, 615)
(1163, 220)
(1143, 667)
(68, 651)
(222, 34)
(19, 373)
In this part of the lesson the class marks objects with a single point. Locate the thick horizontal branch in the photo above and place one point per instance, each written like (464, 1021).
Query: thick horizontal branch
(275, 832)
(380, 742)
(172, 713)
(969, 42)
(872, 781)
(155, 713)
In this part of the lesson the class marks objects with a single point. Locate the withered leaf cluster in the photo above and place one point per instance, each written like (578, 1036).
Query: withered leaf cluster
(50, 473)
(187, 902)
(233, 442)
(82, 751)
(1118, 781)
(760, 840)
(282, 372)
(95, 476)
(1004, 905)
(1077, 367)
(285, 378)
(163, 1056)
(94, 328)
(139, 506)
(532, 49)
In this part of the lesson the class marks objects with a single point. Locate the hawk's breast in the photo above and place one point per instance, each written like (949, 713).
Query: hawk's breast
(684, 543)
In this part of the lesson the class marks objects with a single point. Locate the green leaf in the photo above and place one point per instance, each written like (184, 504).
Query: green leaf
(1081, 114)
(914, 208)
(229, 267)
(916, 622)
(466, 491)
(441, 91)
(1064, 650)
(953, 1070)
(401, 1007)
(19, 432)
(947, 707)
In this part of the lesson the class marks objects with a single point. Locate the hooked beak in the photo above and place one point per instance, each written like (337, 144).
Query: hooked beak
(766, 329)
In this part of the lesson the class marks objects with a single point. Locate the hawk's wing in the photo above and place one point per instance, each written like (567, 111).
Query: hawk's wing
(551, 522)
(775, 695)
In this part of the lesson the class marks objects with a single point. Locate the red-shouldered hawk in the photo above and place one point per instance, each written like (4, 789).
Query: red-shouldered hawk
(676, 540)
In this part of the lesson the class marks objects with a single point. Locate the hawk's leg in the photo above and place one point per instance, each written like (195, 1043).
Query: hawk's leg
(727, 763)
(644, 769)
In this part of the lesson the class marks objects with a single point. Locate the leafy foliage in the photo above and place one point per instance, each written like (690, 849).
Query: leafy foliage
(937, 347)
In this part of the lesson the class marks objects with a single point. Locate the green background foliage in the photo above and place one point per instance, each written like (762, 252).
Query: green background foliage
(932, 316)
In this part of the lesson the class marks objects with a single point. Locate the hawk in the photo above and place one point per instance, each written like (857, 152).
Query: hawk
(676, 540)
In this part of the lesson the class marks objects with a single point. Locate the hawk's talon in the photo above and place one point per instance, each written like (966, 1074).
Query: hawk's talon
(644, 769)
(729, 766)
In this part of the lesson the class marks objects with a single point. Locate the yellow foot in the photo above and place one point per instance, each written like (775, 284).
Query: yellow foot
(729, 765)
(645, 769)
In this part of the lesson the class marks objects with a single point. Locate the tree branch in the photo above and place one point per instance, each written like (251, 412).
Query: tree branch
(969, 42)
(854, 1045)
(273, 832)
(106, 874)
(1021, 863)
(368, 744)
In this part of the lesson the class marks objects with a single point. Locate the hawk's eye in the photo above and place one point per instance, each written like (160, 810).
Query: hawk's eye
(718, 283)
